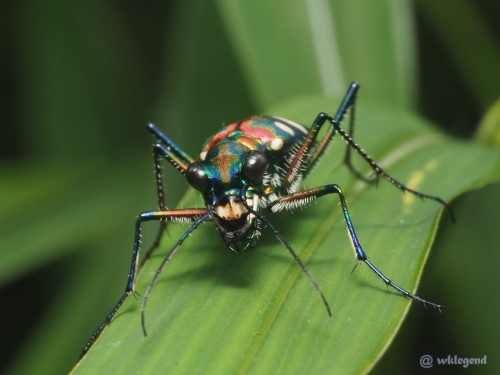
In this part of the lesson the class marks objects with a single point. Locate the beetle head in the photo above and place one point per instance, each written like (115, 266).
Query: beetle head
(233, 171)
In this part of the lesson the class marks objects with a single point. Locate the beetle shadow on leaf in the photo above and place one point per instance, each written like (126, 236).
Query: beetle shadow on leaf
(222, 268)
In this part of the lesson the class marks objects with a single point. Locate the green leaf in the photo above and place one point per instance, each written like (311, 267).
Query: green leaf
(213, 313)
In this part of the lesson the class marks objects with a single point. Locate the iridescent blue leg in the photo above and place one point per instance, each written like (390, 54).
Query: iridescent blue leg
(303, 197)
(303, 160)
(349, 105)
(161, 203)
(323, 117)
(169, 150)
(169, 215)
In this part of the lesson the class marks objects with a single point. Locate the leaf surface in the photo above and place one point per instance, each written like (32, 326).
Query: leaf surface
(213, 313)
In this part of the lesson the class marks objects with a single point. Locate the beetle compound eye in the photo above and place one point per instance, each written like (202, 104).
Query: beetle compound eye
(196, 177)
(255, 166)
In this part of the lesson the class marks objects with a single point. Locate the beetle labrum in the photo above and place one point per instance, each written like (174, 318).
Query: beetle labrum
(248, 168)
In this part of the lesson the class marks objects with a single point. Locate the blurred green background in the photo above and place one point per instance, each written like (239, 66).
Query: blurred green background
(80, 81)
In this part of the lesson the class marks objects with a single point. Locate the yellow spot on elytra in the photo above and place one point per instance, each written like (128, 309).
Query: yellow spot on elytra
(268, 190)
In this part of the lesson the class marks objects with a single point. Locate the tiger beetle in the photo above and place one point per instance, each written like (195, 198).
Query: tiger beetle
(250, 167)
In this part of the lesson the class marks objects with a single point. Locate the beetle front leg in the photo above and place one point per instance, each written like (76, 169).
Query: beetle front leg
(177, 157)
(160, 193)
(168, 215)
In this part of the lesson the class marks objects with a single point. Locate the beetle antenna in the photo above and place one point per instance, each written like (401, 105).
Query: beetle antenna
(292, 252)
(167, 258)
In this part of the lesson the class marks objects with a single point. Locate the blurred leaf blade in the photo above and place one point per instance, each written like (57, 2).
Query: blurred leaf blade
(324, 48)
(489, 129)
(250, 25)
(29, 229)
(66, 55)
(472, 49)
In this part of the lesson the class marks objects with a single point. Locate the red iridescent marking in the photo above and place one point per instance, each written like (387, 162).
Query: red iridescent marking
(259, 131)
(224, 133)
(249, 141)
(180, 214)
